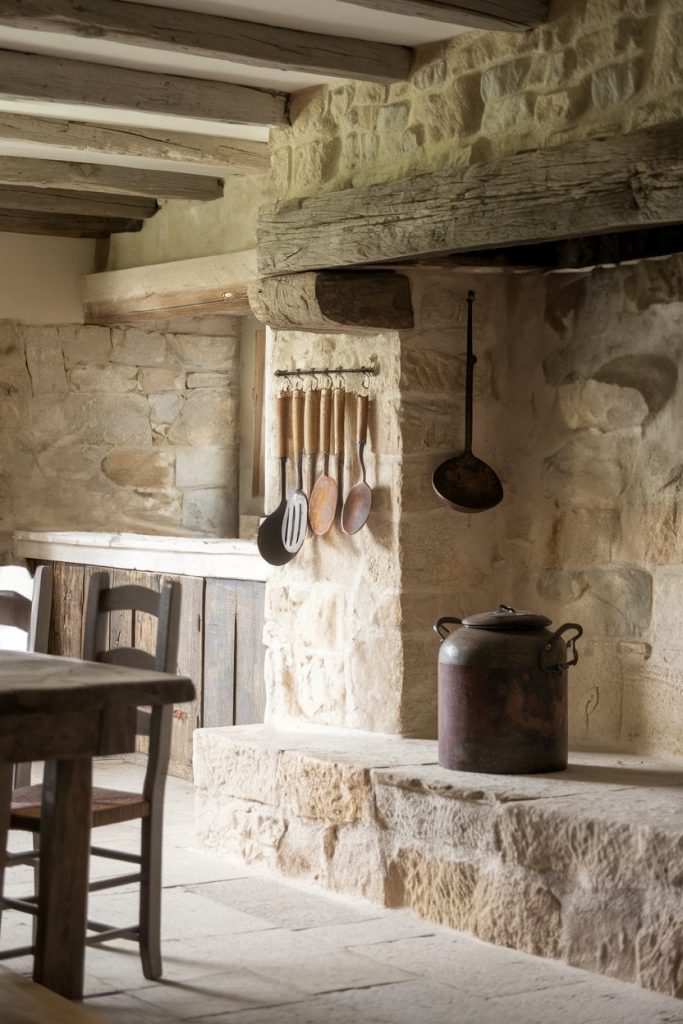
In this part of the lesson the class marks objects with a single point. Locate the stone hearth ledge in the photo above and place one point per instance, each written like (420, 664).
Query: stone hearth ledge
(584, 865)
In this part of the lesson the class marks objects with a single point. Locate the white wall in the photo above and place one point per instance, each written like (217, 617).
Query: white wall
(40, 278)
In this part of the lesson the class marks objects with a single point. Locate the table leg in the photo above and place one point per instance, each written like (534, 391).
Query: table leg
(63, 891)
(5, 802)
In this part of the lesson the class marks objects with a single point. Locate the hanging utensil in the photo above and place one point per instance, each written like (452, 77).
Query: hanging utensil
(339, 409)
(464, 482)
(311, 418)
(359, 499)
(323, 504)
(296, 513)
(269, 538)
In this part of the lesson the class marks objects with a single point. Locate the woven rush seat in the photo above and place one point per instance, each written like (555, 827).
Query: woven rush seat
(109, 807)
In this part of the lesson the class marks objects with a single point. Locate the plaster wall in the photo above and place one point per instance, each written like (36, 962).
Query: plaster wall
(113, 429)
(40, 277)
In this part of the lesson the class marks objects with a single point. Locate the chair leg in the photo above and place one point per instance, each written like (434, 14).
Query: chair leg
(150, 897)
(36, 883)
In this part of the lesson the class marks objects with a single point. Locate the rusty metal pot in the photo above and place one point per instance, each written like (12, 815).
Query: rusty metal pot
(503, 692)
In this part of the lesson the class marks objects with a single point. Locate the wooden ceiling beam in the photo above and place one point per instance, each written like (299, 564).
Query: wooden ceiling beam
(207, 35)
(64, 174)
(511, 15)
(578, 189)
(236, 155)
(87, 204)
(26, 222)
(32, 76)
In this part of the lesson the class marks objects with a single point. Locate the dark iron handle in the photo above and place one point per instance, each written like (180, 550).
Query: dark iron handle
(570, 644)
(439, 625)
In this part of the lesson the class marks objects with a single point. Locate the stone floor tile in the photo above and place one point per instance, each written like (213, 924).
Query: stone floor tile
(286, 905)
(595, 1000)
(392, 925)
(213, 994)
(291, 957)
(122, 1008)
(471, 966)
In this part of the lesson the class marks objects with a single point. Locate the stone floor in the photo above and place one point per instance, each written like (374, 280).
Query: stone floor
(247, 948)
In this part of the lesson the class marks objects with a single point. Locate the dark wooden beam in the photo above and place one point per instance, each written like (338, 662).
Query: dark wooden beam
(147, 143)
(366, 300)
(582, 188)
(63, 174)
(495, 14)
(206, 35)
(32, 76)
(87, 204)
(63, 225)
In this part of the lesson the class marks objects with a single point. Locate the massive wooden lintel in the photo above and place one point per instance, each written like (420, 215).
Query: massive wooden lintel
(579, 189)
(207, 35)
(129, 141)
(496, 14)
(212, 285)
(86, 204)
(80, 177)
(370, 300)
(33, 76)
(26, 222)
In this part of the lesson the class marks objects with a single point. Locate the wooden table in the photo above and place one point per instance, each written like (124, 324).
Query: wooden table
(65, 712)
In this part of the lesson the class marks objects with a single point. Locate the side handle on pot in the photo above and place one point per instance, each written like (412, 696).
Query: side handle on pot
(440, 626)
(547, 663)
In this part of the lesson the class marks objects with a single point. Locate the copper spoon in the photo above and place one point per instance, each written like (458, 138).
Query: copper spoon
(323, 504)
(359, 499)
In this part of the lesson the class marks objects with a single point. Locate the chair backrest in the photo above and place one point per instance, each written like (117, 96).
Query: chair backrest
(164, 605)
(30, 615)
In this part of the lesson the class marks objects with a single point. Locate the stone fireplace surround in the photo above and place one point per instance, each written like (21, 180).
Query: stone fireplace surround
(577, 402)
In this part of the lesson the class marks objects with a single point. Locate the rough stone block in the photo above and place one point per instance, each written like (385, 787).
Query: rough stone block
(591, 404)
(198, 353)
(153, 380)
(108, 378)
(234, 768)
(207, 417)
(137, 348)
(205, 467)
(44, 361)
(323, 790)
(86, 345)
(139, 469)
(210, 510)
(164, 410)
(616, 602)
(110, 419)
(209, 380)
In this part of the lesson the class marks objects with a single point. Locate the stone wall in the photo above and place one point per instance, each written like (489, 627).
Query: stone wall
(578, 409)
(113, 429)
(598, 67)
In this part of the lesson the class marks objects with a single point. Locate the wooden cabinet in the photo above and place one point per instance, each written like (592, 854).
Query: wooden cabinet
(221, 646)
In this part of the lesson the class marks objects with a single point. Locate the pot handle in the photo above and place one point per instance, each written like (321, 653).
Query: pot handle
(440, 626)
(570, 645)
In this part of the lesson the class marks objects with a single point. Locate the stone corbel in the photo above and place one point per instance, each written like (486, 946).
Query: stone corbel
(331, 300)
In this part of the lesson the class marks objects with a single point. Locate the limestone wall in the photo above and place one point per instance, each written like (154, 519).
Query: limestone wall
(598, 67)
(117, 430)
(578, 408)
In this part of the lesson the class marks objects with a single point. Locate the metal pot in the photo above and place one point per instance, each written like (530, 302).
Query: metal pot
(503, 692)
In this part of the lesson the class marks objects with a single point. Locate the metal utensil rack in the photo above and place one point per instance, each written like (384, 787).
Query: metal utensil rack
(328, 371)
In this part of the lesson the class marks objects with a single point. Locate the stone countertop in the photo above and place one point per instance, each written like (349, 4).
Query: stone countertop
(214, 557)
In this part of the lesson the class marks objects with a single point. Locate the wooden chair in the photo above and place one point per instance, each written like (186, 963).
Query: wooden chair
(115, 806)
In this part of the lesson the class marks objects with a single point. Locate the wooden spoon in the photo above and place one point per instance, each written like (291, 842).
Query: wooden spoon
(359, 499)
(323, 504)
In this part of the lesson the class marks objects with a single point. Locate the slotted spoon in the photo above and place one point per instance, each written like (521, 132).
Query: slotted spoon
(296, 514)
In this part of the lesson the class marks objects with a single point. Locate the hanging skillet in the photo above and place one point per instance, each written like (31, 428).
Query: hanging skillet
(464, 482)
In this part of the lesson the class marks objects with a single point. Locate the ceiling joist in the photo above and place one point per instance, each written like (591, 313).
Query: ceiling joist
(137, 143)
(580, 188)
(512, 15)
(63, 225)
(63, 174)
(206, 35)
(86, 204)
(31, 76)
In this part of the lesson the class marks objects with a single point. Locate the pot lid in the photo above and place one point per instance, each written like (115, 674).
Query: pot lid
(506, 618)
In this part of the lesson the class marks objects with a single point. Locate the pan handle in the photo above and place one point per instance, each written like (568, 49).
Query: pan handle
(440, 626)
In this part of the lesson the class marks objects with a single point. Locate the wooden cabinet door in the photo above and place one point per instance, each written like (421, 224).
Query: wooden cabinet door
(188, 717)
(234, 690)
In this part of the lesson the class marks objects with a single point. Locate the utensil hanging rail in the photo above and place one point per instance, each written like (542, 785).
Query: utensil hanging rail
(368, 371)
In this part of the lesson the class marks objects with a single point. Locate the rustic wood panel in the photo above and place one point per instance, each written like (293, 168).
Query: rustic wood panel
(31, 76)
(64, 174)
(258, 389)
(88, 204)
(67, 610)
(187, 717)
(496, 14)
(130, 141)
(581, 188)
(64, 226)
(372, 300)
(250, 694)
(24, 1002)
(220, 610)
(208, 35)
